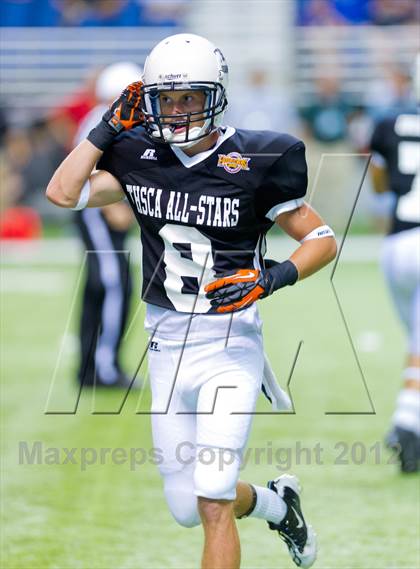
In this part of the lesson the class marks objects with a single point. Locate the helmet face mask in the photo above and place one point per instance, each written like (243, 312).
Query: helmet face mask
(201, 68)
(197, 124)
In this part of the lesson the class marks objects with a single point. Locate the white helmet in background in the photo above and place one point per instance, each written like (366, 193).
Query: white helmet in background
(114, 79)
(183, 62)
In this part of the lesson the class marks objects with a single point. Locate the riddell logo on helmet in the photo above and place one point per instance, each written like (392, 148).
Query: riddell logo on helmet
(233, 162)
(172, 76)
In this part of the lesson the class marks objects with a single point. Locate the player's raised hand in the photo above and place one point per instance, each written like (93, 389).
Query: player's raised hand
(239, 290)
(124, 114)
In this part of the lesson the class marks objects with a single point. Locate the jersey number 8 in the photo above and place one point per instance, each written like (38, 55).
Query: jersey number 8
(188, 258)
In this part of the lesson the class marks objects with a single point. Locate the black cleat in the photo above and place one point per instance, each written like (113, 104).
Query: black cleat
(407, 445)
(299, 537)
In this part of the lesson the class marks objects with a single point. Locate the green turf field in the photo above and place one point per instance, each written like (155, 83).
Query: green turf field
(110, 516)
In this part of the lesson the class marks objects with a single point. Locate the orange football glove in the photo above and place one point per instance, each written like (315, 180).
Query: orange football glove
(239, 290)
(236, 291)
(125, 113)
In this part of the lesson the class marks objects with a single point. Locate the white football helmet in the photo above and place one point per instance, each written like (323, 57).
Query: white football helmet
(114, 79)
(182, 62)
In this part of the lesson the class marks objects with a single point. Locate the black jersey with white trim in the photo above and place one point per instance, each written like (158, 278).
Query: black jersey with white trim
(397, 141)
(205, 215)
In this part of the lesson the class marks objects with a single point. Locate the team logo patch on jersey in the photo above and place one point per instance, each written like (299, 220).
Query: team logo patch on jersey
(233, 162)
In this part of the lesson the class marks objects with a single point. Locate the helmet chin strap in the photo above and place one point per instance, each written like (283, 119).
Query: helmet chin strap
(195, 132)
(177, 139)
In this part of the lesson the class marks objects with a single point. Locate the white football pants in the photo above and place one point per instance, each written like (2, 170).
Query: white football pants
(401, 265)
(203, 397)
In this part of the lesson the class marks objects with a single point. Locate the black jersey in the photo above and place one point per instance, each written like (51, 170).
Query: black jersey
(397, 140)
(206, 215)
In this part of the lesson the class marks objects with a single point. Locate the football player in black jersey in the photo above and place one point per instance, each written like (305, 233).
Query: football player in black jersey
(204, 196)
(395, 166)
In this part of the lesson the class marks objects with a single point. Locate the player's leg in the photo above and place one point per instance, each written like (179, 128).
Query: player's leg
(405, 434)
(401, 263)
(173, 428)
(174, 372)
(124, 284)
(225, 405)
(105, 301)
(221, 540)
(408, 412)
(221, 497)
(92, 300)
(179, 494)
(221, 439)
(225, 408)
(174, 434)
(112, 313)
(279, 505)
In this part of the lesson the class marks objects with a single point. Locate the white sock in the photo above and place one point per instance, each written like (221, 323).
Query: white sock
(269, 505)
(407, 413)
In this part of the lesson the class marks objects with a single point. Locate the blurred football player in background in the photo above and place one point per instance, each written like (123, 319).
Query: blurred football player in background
(395, 166)
(107, 292)
(204, 196)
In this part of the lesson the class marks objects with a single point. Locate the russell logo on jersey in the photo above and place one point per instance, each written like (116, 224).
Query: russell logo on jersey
(149, 154)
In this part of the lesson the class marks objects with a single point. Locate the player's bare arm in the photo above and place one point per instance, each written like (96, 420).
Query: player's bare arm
(315, 250)
(75, 171)
(68, 187)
